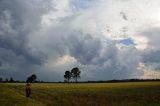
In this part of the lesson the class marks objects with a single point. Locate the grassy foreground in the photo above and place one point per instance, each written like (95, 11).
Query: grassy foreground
(97, 94)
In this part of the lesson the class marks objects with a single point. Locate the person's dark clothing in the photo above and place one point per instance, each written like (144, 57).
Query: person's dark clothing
(28, 91)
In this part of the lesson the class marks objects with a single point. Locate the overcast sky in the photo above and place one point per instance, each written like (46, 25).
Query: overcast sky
(105, 39)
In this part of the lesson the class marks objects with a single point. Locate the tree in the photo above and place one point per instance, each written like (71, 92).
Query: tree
(75, 73)
(6, 80)
(67, 76)
(11, 80)
(32, 78)
(1, 79)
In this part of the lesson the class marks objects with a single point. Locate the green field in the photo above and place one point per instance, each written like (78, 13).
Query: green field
(84, 94)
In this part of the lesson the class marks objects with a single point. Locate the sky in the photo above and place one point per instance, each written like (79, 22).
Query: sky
(105, 39)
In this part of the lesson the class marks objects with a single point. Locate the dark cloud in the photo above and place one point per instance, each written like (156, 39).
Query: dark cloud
(104, 60)
(84, 47)
(151, 56)
(123, 16)
(15, 27)
(43, 36)
(17, 21)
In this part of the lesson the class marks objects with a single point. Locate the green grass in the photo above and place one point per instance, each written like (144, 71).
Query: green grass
(87, 94)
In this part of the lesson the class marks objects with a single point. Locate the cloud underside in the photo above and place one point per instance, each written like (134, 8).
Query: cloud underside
(113, 39)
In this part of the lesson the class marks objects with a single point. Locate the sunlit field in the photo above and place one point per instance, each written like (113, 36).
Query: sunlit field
(83, 94)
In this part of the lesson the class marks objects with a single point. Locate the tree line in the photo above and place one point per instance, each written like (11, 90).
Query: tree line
(8, 80)
(73, 74)
(30, 79)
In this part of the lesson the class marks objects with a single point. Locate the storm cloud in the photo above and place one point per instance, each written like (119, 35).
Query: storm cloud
(48, 37)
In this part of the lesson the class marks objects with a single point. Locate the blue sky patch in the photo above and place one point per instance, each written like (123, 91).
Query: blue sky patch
(127, 41)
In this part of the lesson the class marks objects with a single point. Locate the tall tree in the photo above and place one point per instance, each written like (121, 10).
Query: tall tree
(32, 78)
(67, 76)
(75, 73)
(1, 79)
(11, 80)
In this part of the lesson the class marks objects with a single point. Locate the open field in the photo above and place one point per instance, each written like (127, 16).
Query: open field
(84, 94)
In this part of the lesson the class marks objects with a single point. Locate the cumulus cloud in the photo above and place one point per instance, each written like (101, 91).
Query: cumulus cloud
(17, 22)
(48, 37)
(151, 55)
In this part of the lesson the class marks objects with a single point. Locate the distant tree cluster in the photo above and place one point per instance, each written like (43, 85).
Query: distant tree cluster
(30, 79)
(74, 73)
(8, 80)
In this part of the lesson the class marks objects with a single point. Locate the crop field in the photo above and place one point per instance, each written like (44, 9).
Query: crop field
(83, 94)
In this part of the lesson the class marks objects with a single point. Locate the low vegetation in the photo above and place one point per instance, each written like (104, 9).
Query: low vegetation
(83, 94)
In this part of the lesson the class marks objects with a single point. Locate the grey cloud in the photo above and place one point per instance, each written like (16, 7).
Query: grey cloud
(152, 33)
(118, 65)
(104, 60)
(17, 22)
(84, 47)
(151, 56)
(27, 45)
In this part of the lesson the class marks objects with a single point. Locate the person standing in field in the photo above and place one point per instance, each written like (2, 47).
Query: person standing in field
(28, 90)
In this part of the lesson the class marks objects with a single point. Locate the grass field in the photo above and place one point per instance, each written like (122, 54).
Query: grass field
(84, 94)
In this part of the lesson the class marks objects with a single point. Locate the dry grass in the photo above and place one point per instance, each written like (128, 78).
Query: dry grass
(100, 94)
